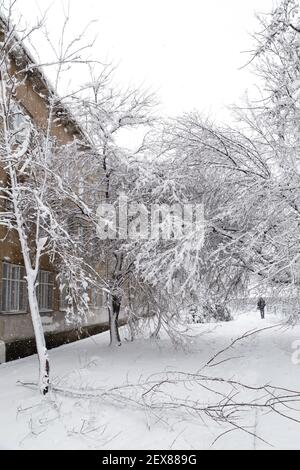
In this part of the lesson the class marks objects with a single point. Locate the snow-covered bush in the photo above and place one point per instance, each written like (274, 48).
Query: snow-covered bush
(209, 313)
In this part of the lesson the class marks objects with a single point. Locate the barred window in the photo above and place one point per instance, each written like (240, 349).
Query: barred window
(97, 298)
(63, 298)
(45, 290)
(14, 289)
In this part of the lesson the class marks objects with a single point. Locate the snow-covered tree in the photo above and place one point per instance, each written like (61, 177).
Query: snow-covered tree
(249, 175)
(38, 201)
(110, 115)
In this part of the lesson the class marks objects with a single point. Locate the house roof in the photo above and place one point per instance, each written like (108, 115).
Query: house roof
(26, 62)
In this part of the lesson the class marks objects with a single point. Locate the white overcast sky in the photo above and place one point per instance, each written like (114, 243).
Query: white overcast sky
(189, 52)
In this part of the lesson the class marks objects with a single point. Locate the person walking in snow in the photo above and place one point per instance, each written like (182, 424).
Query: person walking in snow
(261, 307)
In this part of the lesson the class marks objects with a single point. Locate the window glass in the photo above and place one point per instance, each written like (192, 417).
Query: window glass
(14, 289)
(19, 124)
(45, 290)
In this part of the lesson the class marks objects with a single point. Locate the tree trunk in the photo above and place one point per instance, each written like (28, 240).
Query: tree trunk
(31, 274)
(44, 367)
(131, 326)
(155, 333)
(114, 312)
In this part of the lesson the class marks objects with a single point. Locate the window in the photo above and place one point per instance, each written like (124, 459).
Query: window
(98, 298)
(19, 124)
(64, 297)
(45, 291)
(14, 289)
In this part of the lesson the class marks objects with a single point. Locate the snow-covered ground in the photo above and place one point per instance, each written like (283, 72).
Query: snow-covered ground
(89, 367)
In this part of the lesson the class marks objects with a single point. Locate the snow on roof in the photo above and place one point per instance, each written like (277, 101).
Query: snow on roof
(23, 57)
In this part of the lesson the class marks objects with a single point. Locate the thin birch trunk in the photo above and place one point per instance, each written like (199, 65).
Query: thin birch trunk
(114, 311)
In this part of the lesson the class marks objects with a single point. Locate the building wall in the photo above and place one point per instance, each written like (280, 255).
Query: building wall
(15, 327)
(34, 100)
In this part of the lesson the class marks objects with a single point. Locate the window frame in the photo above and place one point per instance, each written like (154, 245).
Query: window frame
(19, 123)
(13, 277)
(11, 282)
(43, 291)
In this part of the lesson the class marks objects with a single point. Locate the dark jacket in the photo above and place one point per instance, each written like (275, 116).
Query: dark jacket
(261, 303)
